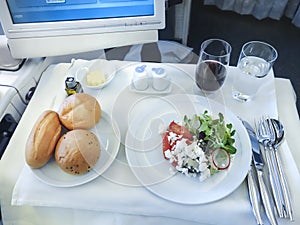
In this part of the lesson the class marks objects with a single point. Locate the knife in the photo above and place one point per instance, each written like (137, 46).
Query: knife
(259, 165)
(254, 194)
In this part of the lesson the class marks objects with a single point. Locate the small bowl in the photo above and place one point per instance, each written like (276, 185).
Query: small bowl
(99, 65)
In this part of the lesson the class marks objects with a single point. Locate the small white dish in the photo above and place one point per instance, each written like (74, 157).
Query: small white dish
(99, 65)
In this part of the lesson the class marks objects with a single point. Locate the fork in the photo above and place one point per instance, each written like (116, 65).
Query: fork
(285, 192)
(265, 137)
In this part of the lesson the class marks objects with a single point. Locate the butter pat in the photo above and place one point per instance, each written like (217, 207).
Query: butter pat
(95, 78)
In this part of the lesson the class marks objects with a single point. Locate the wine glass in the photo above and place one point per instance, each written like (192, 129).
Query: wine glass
(255, 61)
(212, 65)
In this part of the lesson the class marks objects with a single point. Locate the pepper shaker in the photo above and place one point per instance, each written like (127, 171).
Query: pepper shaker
(160, 79)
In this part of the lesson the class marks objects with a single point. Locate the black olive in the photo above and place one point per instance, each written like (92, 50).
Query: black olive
(201, 135)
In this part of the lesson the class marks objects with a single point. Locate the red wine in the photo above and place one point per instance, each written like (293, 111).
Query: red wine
(210, 75)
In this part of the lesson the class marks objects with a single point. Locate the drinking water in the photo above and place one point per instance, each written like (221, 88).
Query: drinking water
(254, 66)
(247, 84)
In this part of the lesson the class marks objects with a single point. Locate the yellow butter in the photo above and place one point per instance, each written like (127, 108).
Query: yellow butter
(95, 78)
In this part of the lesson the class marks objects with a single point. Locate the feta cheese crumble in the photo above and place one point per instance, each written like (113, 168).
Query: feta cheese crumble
(189, 159)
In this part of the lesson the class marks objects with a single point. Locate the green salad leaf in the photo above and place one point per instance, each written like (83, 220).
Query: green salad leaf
(215, 132)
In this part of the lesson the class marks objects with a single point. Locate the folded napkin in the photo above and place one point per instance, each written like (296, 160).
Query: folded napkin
(114, 196)
(169, 51)
(106, 196)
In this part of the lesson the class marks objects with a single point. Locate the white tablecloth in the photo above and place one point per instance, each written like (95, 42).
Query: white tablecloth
(35, 202)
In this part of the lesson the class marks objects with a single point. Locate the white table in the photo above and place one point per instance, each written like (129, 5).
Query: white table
(12, 162)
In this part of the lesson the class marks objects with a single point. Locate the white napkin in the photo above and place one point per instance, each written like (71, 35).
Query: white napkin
(103, 195)
(170, 51)
(106, 196)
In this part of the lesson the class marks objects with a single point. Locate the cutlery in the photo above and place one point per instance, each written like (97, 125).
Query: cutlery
(254, 195)
(265, 137)
(259, 165)
(277, 128)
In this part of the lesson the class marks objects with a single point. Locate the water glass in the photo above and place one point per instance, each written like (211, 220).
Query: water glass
(212, 65)
(255, 61)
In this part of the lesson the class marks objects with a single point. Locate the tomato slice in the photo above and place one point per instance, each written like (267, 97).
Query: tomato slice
(180, 130)
(221, 159)
(165, 143)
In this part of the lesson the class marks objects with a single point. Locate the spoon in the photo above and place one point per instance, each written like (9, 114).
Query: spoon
(279, 132)
(279, 135)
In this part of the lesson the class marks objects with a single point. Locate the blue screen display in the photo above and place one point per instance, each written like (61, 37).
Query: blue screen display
(35, 11)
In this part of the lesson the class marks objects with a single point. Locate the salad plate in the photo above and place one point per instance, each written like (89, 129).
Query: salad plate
(146, 160)
(109, 136)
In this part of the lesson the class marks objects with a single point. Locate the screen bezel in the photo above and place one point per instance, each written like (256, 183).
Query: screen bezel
(32, 40)
(157, 21)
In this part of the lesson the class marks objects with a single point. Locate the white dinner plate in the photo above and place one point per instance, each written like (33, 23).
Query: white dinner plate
(145, 157)
(109, 136)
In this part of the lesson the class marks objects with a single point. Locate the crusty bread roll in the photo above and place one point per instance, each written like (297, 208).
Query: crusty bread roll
(77, 151)
(42, 140)
(79, 111)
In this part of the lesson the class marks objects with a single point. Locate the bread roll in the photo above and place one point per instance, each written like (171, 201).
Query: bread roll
(77, 151)
(79, 111)
(42, 140)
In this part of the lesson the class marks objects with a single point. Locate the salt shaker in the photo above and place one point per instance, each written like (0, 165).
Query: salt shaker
(140, 78)
(160, 80)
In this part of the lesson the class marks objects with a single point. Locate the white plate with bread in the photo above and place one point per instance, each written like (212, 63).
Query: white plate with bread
(82, 152)
(109, 138)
